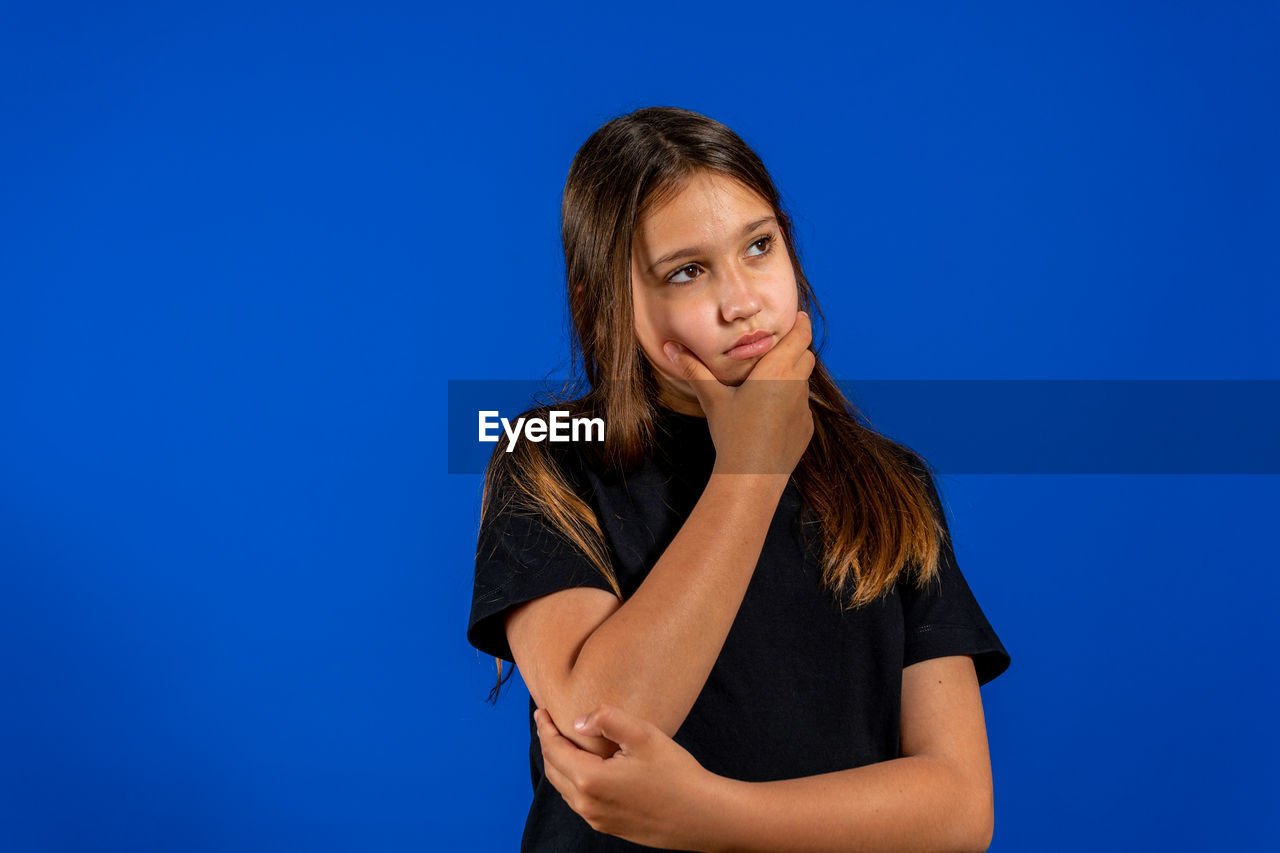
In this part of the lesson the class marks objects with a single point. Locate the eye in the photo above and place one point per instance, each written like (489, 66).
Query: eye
(768, 244)
(672, 278)
(767, 240)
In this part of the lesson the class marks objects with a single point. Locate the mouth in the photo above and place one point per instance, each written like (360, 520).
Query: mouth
(751, 345)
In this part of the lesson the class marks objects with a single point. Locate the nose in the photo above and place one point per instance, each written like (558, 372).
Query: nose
(739, 298)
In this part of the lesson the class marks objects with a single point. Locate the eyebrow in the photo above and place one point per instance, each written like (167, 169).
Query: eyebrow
(697, 250)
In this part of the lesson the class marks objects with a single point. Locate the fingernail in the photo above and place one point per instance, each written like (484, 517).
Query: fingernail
(672, 351)
(580, 724)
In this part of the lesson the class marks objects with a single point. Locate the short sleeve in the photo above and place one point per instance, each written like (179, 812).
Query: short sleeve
(944, 618)
(519, 557)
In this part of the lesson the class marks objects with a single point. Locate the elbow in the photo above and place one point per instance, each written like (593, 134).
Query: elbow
(977, 801)
(585, 691)
(982, 821)
(984, 839)
(972, 821)
(565, 709)
(571, 698)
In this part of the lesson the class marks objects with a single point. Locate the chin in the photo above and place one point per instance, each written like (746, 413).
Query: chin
(737, 377)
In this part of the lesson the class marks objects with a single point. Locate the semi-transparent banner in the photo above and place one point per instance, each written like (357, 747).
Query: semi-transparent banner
(968, 426)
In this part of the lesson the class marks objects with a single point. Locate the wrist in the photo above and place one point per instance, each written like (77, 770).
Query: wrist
(722, 814)
(742, 478)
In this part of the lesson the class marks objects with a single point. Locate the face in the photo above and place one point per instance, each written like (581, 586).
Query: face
(708, 267)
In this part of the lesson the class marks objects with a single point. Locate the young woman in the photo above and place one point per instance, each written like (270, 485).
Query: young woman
(739, 618)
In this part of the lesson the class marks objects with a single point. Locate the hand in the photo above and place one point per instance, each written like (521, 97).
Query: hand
(651, 791)
(763, 425)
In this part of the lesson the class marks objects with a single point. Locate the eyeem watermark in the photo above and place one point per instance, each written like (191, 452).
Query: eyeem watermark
(558, 426)
(997, 426)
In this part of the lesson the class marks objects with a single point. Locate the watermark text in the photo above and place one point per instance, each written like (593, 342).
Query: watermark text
(557, 426)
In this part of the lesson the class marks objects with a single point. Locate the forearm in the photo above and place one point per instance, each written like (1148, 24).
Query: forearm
(653, 655)
(916, 803)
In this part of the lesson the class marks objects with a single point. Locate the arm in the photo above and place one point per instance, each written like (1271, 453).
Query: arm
(651, 654)
(938, 796)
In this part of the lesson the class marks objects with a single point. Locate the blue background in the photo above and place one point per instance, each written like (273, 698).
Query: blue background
(245, 246)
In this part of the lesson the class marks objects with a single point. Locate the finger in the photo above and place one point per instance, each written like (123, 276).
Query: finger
(798, 339)
(806, 362)
(682, 361)
(796, 346)
(687, 366)
(629, 732)
(558, 780)
(556, 750)
(787, 360)
(561, 752)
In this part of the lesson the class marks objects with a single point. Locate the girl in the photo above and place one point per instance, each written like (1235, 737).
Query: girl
(739, 618)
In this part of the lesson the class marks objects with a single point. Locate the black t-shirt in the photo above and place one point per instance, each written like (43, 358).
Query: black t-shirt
(801, 687)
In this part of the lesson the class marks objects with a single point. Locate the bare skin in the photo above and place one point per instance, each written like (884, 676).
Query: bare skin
(937, 797)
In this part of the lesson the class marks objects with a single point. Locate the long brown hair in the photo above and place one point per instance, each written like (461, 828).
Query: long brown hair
(867, 494)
